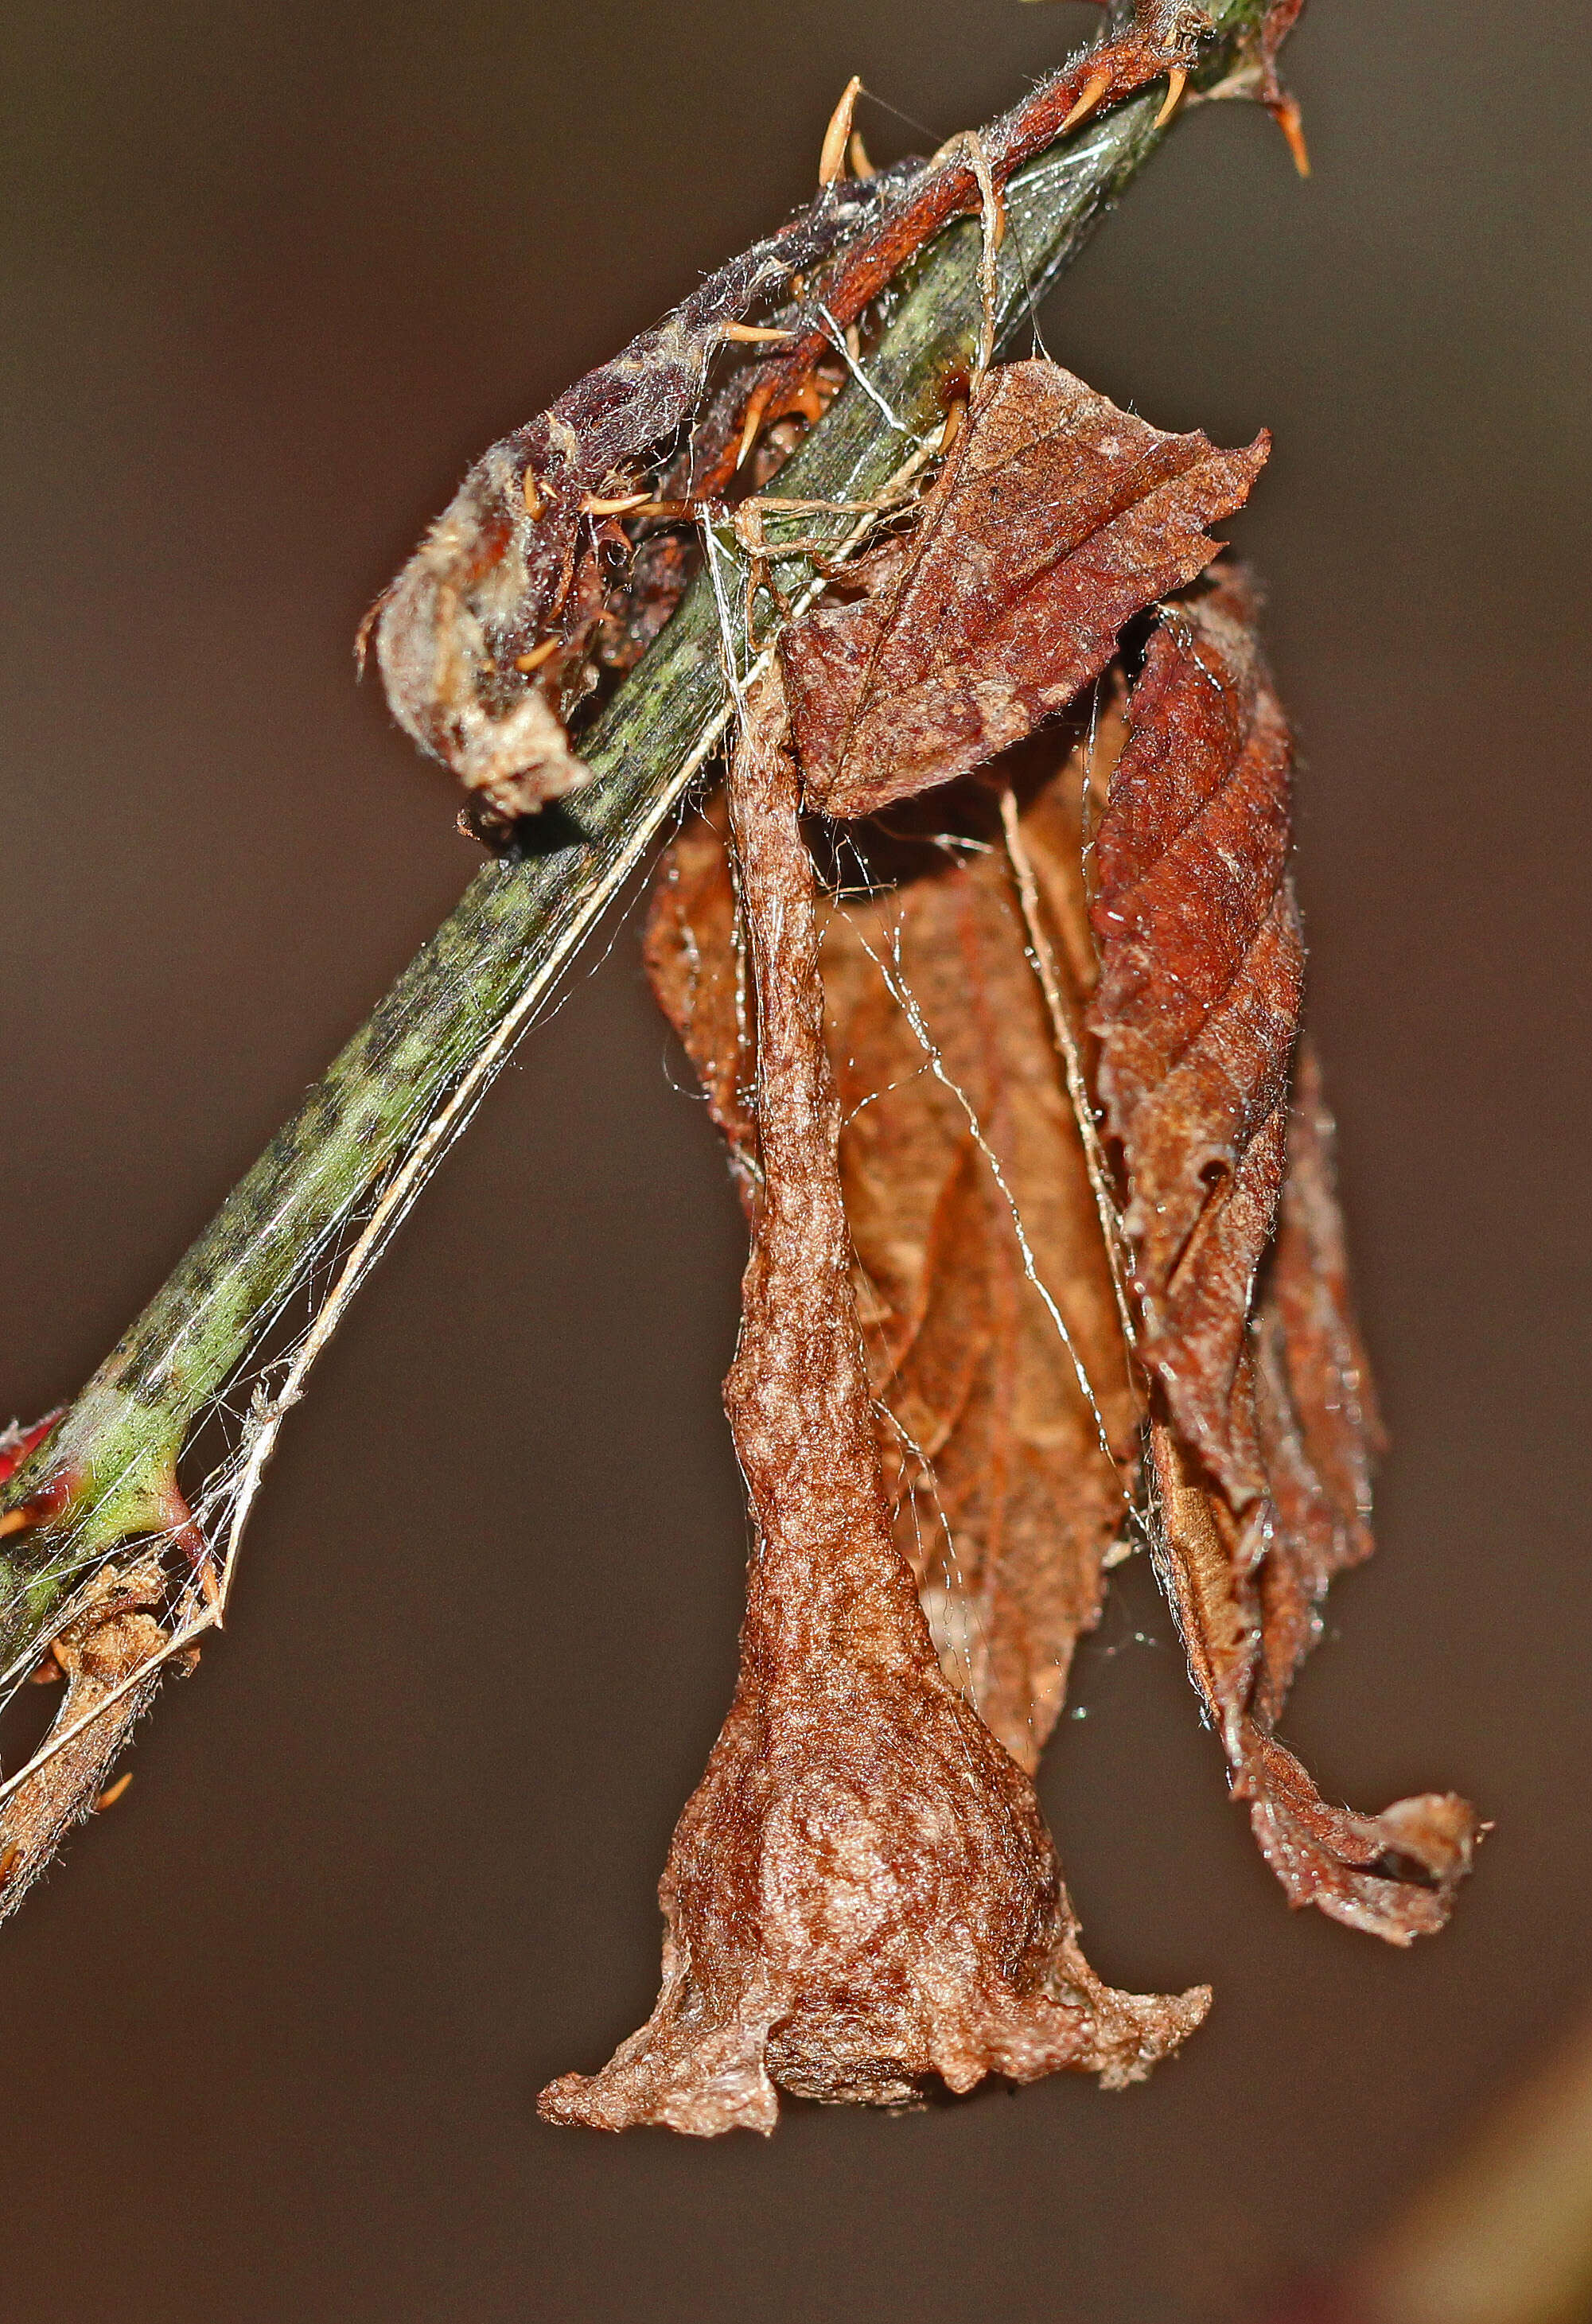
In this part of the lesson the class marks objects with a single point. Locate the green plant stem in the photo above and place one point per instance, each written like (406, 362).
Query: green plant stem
(448, 1021)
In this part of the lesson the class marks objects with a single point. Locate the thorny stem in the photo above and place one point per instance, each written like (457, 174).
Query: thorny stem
(107, 1473)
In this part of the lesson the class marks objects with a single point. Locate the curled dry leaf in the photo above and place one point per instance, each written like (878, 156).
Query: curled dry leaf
(1278, 22)
(1197, 1014)
(1202, 976)
(1055, 518)
(1009, 1425)
(961, 1165)
(1393, 1875)
(948, 1006)
(861, 1894)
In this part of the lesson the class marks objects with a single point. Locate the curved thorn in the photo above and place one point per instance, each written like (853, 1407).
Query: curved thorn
(1176, 82)
(831, 158)
(1089, 97)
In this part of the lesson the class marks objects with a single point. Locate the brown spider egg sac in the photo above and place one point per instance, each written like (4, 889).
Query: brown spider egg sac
(861, 1896)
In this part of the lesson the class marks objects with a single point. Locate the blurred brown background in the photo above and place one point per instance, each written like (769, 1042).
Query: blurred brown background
(271, 2033)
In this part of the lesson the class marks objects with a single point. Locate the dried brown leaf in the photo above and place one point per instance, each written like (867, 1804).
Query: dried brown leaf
(1197, 1013)
(861, 1894)
(1055, 520)
(1202, 972)
(959, 1147)
(1393, 1875)
(1009, 1427)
